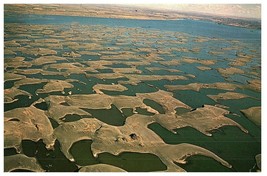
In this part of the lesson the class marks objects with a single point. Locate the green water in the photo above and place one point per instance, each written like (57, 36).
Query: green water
(143, 111)
(251, 93)
(192, 98)
(120, 65)
(9, 84)
(111, 116)
(180, 111)
(139, 88)
(50, 160)
(134, 162)
(230, 143)
(129, 161)
(243, 103)
(81, 151)
(31, 88)
(198, 163)
(23, 101)
(10, 151)
(154, 105)
(127, 112)
(42, 106)
(53, 123)
(71, 118)
(86, 57)
(106, 70)
(40, 76)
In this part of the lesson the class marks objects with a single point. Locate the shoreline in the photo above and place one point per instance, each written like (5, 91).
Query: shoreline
(123, 12)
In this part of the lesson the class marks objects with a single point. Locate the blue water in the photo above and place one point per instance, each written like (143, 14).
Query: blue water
(193, 27)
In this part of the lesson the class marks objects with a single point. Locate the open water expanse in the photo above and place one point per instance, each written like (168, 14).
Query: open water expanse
(101, 94)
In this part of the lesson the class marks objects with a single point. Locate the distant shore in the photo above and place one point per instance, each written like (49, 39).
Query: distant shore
(125, 12)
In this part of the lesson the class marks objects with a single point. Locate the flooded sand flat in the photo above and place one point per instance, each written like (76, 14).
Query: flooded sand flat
(102, 94)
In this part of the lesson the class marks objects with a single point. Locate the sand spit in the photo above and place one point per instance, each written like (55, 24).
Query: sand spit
(29, 81)
(10, 94)
(28, 71)
(39, 51)
(225, 72)
(227, 96)
(69, 68)
(253, 114)
(113, 87)
(117, 139)
(8, 51)
(57, 111)
(203, 68)
(165, 99)
(37, 71)
(166, 69)
(12, 76)
(71, 54)
(47, 60)
(21, 161)
(203, 119)
(254, 85)
(198, 86)
(102, 101)
(30, 123)
(76, 131)
(11, 43)
(55, 86)
(200, 61)
(241, 61)
(16, 62)
(135, 79)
